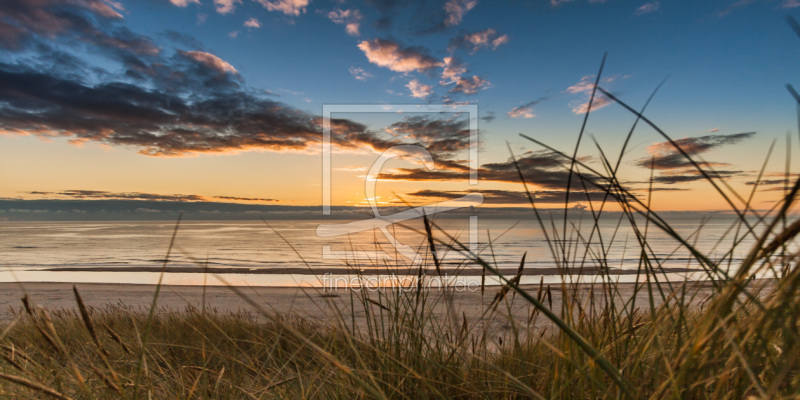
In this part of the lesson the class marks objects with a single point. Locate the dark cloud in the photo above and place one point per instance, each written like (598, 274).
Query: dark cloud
(105, 195)
(664, 156)
(164, 105)
(543, 169)
(776, 178)
(775, 181)
(441, 136)
(215, 117)
(496, 196)
(12, 37)
(89, 24)
(236, 198)
(420, 17)
(383, 23)
(387, 9)
(160, 123)
(663, 189)
(692, 175)
(675, 168)
(772, 182)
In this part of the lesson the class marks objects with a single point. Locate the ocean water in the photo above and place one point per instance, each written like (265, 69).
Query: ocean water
(291, 252)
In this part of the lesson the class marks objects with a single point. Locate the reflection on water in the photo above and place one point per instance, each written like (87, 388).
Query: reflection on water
(255, 246)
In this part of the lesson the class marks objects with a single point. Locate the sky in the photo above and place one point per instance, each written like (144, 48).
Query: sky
(222, 100)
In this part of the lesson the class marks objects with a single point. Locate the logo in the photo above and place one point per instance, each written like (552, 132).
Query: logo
(416, 152)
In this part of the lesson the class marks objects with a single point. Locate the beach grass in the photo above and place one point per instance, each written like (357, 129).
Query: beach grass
(740, 338)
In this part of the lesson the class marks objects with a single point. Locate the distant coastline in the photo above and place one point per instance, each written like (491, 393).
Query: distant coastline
(150, 210)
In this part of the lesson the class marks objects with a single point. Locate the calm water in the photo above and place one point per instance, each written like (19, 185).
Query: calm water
(287, 253)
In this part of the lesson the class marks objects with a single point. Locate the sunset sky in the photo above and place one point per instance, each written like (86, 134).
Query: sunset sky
(221, 100)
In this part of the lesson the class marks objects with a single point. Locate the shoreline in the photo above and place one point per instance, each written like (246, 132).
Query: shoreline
(589, 271)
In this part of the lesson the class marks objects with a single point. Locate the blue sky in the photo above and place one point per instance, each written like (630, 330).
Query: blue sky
(528, 65)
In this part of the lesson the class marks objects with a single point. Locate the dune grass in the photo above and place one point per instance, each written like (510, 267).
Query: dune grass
(741, 340)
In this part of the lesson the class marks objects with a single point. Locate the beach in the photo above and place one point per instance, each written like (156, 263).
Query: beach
(309, 303)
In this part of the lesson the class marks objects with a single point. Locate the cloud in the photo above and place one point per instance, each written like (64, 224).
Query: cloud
(234, 34)
(189, 103)
(664, 156)
(499, 196)
(105, 195)
(691, 175)
(775, 181)
(542, 170)
(452, 74)
(419, 17)
(599, 102)
(182, 39)
(675, 168)
(487, 38)
(776, 178)
(351, 19)
(738, 4)
(790, 4)
(185, 103)
(456, 9)
(525, 110)
(419, 90)
(183, 3)
(772, 182)
(391, 55)
(470, 85)
(521, 112)
(585, 87)
(210, 61)
(442, 137)
(237, 198)
(288, 7)
(226, 6)
(216, 116)
(648, 8)
(360, 74)
(76, 23)
(453, 69)
(161, 124)
(252, 23)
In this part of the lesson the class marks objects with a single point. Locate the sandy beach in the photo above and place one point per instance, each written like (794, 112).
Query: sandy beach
(312, 304)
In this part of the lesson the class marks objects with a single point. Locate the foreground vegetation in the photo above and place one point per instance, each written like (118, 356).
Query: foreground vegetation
(698, 351)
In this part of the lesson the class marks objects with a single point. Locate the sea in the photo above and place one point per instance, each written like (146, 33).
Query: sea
(314, 253)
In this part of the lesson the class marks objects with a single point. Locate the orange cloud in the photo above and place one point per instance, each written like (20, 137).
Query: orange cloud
(210, 61)
(391, 55)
